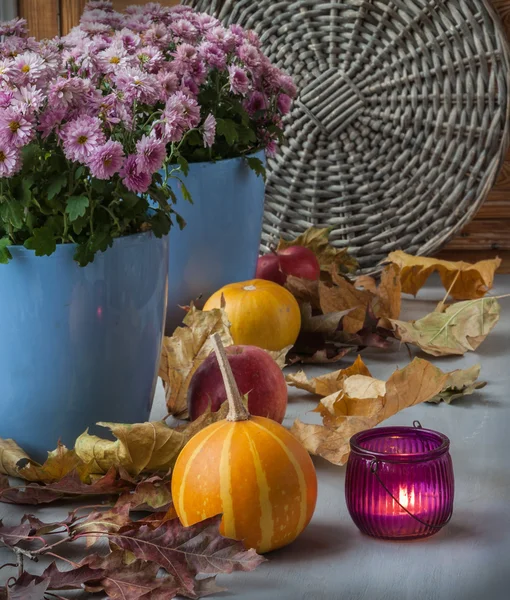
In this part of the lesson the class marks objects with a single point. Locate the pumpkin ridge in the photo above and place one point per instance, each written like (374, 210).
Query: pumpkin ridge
(299, 472)
(226, 487)
(189, 464)
(266, 511)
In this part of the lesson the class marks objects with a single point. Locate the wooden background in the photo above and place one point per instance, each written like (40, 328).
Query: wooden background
(487, 235)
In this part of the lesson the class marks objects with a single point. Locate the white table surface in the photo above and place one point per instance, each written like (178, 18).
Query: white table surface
(468, 560)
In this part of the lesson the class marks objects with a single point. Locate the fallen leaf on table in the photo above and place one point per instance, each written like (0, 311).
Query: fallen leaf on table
(464, 281)
(323, 385)
(305, 291)
(280, 356)
(151, 494)
(344, 296)
(59, 463)
(151, 446)
(461, 382)
(186, 551)
(361, 402)
(461, 328)
(317, 240)
(99, 523)
(70, 486)
(10, 455)
(186, 350)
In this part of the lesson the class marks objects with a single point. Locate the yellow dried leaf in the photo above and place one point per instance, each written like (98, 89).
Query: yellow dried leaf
(327, 384)
(361, 402)
(186, 350)
(151, 446)
(317, 240)
(10, 456)
(59, 463)
(344, 296)
(461, 328)
(461, 382)
(467, 281)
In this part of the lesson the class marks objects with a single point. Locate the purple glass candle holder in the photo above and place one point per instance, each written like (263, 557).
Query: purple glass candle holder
(399, 482)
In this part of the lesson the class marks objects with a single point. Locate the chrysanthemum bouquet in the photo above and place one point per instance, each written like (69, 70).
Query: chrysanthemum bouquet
(93, 125)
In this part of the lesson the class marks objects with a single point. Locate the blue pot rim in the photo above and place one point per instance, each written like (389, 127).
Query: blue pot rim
(225, 161)
(19, 251)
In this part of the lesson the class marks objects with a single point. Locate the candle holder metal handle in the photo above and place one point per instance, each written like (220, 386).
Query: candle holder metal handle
(374, 466)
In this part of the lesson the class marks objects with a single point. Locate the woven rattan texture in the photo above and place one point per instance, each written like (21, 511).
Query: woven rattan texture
(402, 119)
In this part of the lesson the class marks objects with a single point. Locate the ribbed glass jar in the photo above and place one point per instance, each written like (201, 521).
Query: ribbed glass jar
(396, 472)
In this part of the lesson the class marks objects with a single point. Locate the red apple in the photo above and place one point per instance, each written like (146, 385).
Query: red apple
(295, 260)
(256, 374)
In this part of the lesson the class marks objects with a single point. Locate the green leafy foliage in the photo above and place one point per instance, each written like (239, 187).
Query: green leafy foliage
(257, 165)
(77, 207)
(5, 255)
(42, 241)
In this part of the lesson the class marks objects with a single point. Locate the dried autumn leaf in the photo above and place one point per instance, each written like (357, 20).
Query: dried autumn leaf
(344, 296)
(10, 455)
(28, 587)
(461, 328)
(361, 401)
(98, 523)
(305, 291)
(186, 350)
(280, 356)
(185, 551)
(464, 281)
(317, 240)
(151, 446)
(323, 385)
(70, 486)
(461, 382)
(389, 293)
(150, 494)
(59, 463)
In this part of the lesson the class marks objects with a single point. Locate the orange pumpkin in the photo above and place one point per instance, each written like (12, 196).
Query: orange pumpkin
(262, 313)
(251, 470)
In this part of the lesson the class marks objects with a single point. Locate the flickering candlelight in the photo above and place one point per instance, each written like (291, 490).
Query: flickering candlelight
(399, 482)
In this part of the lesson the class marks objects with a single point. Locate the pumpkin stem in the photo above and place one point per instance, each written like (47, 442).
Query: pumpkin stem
(237, 411)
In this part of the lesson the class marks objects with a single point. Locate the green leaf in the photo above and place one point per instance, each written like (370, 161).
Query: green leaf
(83, 255)
(257, 165)
(79, 172)
(5, 255)
(228, 129)
(100, 240)
(42, 241)
(56, 185)
(130, 198)
(77, 207)
(12, 212)
(30, 155)
(185, 193)
(26, 192)
(80, 224)
(183, 163)
(160, 223)
(180, 221)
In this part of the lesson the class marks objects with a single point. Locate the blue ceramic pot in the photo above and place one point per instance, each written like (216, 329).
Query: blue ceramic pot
(220, 243)
(79, 345)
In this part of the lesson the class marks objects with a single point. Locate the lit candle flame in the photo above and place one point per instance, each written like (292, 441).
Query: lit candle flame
(406, 498)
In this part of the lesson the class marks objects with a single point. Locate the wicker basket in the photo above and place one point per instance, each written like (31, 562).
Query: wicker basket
(401, 124)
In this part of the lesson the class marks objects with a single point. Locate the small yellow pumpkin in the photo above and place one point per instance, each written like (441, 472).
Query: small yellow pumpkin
(249, 469)
(262, 313)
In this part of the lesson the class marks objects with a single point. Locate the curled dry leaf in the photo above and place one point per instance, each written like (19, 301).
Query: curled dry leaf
(186, 350)
(461, 382)
(343, 296)
(317, 240)
(10, 455)
(361, 401)
(148, 447)
(59, 463)
(464, 281)
(461, 328)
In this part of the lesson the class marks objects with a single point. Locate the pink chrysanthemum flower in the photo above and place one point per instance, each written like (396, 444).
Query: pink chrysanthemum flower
(17, 27)
(221, 37)
(181, 113)
(10, 160)
(51, 120)
(287, 85)
(284, 103)
(209, 132)
(16, 128)
(249, 55)
(5, 99)
(129, 39)
(255, 103)
(114, 57)
(185, 56)
(239, 80)
(169, 83)
(151, 153)
(6, 70)
(106, 160)
(185, 30)
(135, 180)
(29, 66)
(138, 85)
(28, 98)
(81, 137)
(213, 55)
(150, 58)
(158, 35)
